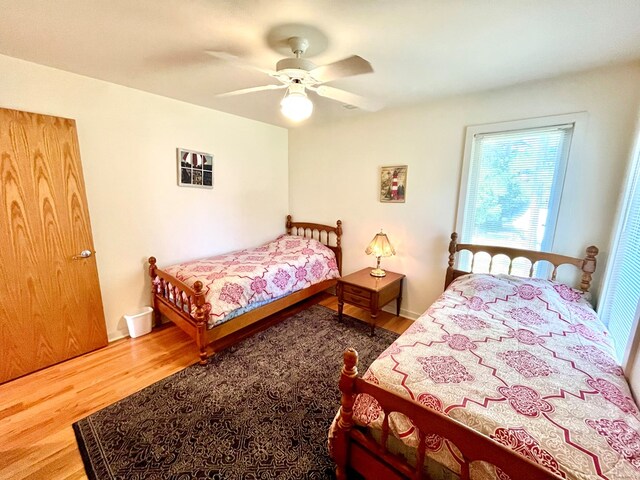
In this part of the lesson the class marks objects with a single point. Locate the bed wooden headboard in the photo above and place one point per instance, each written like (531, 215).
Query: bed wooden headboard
(320, 232)
(587, 264)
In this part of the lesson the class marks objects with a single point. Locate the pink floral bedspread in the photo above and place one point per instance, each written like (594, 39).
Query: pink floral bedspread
(524, 361)
(240, 279)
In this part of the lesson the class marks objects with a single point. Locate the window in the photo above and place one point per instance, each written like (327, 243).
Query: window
(512, 182)
(621, 293)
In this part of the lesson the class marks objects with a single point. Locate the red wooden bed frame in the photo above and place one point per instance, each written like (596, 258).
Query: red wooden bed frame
(168, 290)
(354, 449)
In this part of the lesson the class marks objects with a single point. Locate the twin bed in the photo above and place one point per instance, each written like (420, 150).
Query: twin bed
(502, 377)
(215, 300)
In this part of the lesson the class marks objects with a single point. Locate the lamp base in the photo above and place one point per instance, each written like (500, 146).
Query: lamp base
(377, 272)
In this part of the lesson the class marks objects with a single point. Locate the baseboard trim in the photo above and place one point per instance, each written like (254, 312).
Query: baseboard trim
(403, 312)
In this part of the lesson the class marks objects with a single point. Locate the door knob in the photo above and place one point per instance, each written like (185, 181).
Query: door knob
(83, 254)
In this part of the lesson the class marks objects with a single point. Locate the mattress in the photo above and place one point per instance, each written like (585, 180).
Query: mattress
(240, 281)
(524, 361)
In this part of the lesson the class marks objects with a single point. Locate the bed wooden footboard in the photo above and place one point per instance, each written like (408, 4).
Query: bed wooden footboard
(175, 300)
(587, 264)
(353, 449)
(185, 305)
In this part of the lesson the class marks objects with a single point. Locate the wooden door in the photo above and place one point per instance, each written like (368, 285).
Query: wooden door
(50, 302)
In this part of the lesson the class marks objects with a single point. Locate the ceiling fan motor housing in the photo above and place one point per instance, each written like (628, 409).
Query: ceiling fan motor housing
(295, 64)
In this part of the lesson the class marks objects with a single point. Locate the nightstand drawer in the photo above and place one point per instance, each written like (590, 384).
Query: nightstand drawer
(356, 300)
(356, 291)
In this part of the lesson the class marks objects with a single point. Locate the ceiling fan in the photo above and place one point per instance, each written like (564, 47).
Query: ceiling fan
(298, 75)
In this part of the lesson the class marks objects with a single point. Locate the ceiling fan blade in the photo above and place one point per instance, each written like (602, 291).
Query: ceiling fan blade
(251, 90)
(347, 98)
(347, 67)
(238, 62)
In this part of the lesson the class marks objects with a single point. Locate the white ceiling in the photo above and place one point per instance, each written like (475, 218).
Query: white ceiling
(420, 49)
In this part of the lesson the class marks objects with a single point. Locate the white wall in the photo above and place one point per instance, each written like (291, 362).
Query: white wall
(128, 142)
(334, 169)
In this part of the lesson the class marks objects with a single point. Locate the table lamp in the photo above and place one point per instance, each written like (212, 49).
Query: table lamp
(380, 247)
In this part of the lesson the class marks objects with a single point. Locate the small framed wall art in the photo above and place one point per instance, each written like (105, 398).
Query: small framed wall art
(195, 169)
(393, 184)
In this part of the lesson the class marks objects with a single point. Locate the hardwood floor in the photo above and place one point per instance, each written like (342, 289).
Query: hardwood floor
(37, 411)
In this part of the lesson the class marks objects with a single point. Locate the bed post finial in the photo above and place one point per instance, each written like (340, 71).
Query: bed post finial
(588, 267)
(152, 267)
(453, 245)
(201, 323)
(339, 444)
(338, 232)
(350, 367)
(289, 225)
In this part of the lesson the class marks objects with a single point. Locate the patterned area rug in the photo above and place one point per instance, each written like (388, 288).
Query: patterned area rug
(258, 410)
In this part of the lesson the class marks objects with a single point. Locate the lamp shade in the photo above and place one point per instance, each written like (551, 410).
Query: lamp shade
(380, 246)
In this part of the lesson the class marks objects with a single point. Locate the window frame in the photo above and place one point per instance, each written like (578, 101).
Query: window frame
(579, 122)
(631, 183)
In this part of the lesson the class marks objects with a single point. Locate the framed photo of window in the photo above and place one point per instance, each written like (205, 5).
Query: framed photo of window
(195, 169)
(393, 184)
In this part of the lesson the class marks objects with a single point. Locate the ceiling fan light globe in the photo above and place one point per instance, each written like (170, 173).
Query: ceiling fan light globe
(296, 106)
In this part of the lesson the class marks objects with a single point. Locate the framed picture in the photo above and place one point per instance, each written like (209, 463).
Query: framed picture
(195, 169)
(393, 184)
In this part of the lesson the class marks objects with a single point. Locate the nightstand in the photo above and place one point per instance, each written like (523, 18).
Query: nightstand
(370, 293)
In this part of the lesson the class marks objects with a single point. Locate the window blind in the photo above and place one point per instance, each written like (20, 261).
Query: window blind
(514, 185)
(622, 288)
